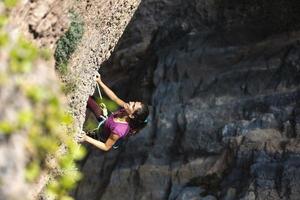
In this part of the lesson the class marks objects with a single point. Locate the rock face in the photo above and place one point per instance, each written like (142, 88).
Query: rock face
(14, 146)
(222, 78)
(43, 21)
(104, 22)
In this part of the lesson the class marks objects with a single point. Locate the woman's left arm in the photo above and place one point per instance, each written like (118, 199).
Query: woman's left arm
(110, 93)
(112, 139)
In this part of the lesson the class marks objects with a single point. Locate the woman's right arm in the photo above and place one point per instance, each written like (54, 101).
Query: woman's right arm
(110, 93)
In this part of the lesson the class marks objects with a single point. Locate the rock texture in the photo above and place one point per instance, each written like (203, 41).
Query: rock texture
(222, 78)
(43, 21)
(104, 22)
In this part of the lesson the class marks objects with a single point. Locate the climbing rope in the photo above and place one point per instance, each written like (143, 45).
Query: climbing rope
(99, 91)
(104, 109)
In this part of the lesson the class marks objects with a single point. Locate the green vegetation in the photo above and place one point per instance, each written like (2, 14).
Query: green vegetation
(69, 87)
(22, 56)
(90, 123)
(10, 3)
(67, 44)
(110, 105)
(46, 122)
(6, 127)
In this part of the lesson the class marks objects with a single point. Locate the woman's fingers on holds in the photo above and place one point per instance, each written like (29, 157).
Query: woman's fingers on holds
(81, 137)
(126, 106)
(97, 76)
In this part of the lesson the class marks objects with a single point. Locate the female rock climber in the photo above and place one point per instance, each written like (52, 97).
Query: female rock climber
(125, 122)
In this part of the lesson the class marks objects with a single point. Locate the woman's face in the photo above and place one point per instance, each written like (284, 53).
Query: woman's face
(131, 107)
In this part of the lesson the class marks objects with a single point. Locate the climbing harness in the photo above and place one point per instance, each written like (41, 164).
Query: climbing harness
(99, 91)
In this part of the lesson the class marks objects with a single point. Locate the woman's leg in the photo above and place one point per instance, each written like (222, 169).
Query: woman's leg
(95, 108)
(98, 134)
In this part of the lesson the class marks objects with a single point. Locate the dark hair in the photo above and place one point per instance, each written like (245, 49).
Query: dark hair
(139, 120)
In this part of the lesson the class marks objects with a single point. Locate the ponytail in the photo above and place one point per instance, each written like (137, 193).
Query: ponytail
(139, 119)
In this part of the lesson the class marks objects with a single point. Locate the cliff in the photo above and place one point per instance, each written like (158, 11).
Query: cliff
(37, 40)
(222, 81)
(222, 78)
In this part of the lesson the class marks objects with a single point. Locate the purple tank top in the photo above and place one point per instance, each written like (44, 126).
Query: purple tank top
(119, 128)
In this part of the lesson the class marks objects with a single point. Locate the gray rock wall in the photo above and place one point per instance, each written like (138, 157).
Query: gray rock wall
(222, 78)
